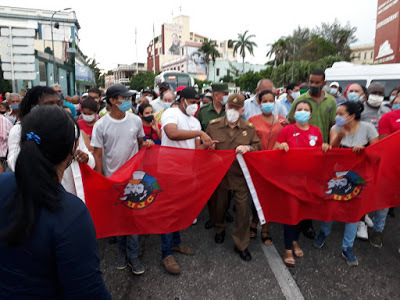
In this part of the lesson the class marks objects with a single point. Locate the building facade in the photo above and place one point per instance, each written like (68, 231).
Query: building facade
(363, 54)
(58, 33)
(123, 73)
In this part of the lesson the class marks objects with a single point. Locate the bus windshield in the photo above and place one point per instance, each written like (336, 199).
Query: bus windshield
(177, 79)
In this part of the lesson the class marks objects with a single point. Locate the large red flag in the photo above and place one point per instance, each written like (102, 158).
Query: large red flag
(159, 190)
(338, 185)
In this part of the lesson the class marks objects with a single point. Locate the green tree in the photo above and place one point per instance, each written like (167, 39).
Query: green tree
(317, 48)
(227, 78)
(281, 50)
(94, 65)
(201, 83)
(248, 81)
(142, 80)
(210, 53)
(244, 43)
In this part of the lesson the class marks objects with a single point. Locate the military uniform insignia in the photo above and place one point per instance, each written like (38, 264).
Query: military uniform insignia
(235, 100)
(251, 125)
(244, 133)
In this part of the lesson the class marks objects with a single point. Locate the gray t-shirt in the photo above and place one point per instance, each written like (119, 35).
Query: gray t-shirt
(118, 139)
(365, 133)
(372, 114)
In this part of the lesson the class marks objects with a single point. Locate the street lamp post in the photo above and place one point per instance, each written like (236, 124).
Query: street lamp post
(52, 44)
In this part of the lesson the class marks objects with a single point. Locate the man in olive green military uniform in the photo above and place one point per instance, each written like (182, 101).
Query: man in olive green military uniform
(214, 109)
(233, 133)
(206, 113)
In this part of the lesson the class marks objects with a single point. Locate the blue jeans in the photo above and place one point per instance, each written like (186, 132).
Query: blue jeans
(291, 234)
(128, 245)
(379, 219)
(350, 232)
(168, 241)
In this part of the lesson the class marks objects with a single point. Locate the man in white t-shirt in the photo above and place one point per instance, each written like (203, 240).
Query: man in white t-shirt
(157, 103)
(180, 129)
(116, 138)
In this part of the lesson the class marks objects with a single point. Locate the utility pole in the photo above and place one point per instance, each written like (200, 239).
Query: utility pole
(294, 51)
(154, 51)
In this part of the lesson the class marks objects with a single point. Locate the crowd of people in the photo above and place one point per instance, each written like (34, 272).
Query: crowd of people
(44, 136)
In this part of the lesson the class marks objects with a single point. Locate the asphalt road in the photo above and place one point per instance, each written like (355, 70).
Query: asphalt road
(217, 272)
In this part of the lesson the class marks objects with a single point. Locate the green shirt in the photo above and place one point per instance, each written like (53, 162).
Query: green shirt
(207, 113)
(323, 114)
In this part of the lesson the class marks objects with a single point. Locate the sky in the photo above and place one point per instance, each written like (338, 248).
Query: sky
(108, 28)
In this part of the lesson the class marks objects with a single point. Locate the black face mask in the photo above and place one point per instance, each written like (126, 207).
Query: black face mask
(149, 118)
(315, 90)
(2, 112)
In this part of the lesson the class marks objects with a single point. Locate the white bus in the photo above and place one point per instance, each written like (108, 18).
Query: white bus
(174, 79)
(346, 73)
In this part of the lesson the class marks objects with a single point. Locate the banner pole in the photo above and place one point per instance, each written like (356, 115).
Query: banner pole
(251, 187)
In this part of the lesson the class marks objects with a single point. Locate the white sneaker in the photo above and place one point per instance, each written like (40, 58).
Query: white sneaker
(194, 222)
(362, 231)
(368, 221)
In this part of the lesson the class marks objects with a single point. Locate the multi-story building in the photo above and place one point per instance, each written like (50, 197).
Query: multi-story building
(363, 54)
(177, 49)
(55, 32)
(123, 73)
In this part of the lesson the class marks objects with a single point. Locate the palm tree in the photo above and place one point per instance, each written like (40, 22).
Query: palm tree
(242, 44)
(281, 49)
(210, 53)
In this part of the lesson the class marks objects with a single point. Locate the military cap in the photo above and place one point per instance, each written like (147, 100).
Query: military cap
(220, 87)
(236, 100)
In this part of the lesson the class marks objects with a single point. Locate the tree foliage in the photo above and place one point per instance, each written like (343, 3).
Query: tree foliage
(243, 44)
(142, 80)
(98, 77)
(210, 53)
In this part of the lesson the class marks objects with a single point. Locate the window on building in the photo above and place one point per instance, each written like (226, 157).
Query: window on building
(372, 54)
(217, 71)
(191, 38)
(179, 68)
(365, 55)
(195, 40)
(42, 73)
(228, 72)
(237, 73)
(201, 41)
(183, 51)
(221, 45)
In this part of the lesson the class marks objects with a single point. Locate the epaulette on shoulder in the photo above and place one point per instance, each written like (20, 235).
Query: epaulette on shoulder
(251, 125)
(213, 121)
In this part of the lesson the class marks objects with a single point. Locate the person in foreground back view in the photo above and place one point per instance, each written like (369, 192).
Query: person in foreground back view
(48, 243)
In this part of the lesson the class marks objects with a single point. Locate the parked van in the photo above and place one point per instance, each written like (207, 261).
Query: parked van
(346, 73)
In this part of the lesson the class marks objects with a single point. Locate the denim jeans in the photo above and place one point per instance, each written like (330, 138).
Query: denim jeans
(168, 241)
(350, 232)
(379, 219)
(128, 245)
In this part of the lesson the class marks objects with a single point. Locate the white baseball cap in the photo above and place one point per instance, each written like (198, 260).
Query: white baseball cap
(335, 83)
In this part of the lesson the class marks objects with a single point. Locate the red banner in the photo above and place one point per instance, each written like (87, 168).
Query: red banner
(159, 190)
(338, 185)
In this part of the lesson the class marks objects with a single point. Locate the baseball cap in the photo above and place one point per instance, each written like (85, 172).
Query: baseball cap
(335, 83)
(236, 100)
(190, 93)
(118, 90)
(164, 85)
(85, 95)
(180, 88)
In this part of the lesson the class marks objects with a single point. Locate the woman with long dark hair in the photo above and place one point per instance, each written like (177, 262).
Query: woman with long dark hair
(48, 243)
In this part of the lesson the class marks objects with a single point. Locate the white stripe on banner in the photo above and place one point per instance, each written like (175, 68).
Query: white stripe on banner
(252, 189)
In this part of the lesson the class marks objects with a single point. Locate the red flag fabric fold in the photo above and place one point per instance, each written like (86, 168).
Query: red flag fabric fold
(159, 190)
(338, 185)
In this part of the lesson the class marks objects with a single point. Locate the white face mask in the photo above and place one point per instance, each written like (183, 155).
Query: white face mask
(88, 118)
(232, 115)
(191, 109)
(295, 95)
(76, 106)
(149, 98)
(375, 100)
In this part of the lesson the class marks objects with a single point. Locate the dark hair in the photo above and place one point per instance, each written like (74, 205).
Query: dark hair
(91, 104)
(5, 105)
(32, 98)
(142, 107)
(303, 101)
(35, 169)
(265, 92)
(95, 90)
(291, 86)
(319, 73)
(354, 108)
(209, 97)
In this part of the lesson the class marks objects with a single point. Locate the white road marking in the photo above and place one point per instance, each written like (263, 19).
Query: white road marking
(285, 280)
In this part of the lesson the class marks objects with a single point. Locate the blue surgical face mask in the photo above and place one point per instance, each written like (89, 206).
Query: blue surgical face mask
(392, 97)
(166, 104)
(267, 107)
(396, 106)
(333, 91)
(340, 121)
(302, 116)
(224, 99)
(125, 106)
(14, 106)
(354, 97)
